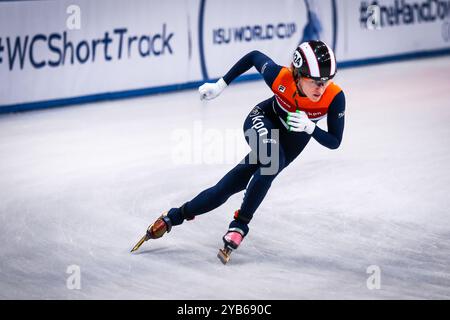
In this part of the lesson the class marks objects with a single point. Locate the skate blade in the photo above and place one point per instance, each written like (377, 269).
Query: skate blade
(224, 255)
(143, 239)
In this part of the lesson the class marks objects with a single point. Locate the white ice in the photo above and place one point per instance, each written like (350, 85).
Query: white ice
(79, 186)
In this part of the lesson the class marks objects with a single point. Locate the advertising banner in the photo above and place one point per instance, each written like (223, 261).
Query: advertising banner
(276, 28)
(386, 28)
(61, 49)
(70, 51)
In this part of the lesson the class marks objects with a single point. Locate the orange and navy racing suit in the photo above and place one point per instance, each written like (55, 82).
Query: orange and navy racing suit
(265, 128)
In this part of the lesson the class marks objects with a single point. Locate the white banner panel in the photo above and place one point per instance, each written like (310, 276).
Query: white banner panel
(371, 29)
(70, 48)
(230, 29)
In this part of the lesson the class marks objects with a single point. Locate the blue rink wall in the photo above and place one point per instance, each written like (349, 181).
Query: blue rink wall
(56, 53)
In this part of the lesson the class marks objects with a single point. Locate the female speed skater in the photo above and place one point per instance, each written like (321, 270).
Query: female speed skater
(277, 130)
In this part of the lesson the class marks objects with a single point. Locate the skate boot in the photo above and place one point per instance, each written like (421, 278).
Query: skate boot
(156, 230)
(231, 241)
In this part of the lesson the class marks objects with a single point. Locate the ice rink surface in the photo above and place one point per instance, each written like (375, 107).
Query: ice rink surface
(79, 186)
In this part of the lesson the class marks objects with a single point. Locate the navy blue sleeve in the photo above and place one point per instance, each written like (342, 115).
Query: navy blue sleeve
(265, 66)
(335, 120)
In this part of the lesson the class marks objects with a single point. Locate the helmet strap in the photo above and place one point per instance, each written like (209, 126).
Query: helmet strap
(299, 88)
(296, 75)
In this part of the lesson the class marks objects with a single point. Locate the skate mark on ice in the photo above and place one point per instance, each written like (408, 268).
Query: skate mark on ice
(151, 251)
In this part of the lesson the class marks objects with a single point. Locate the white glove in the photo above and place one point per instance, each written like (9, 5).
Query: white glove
(299, 122)
(209, 91)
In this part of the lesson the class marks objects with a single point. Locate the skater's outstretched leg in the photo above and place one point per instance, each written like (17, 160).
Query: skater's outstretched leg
(233, 182)
(209, 199)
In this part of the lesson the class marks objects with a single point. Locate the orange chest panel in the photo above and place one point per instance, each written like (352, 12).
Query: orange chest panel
(289, 100)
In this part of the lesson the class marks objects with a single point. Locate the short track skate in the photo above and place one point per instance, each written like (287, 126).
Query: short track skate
(156, 230)
(231, 241)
